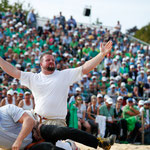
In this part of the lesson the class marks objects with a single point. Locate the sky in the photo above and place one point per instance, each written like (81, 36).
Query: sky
(130, 13)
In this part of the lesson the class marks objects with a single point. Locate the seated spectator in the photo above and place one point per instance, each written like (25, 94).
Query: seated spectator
(9, 99)
(141, 81)
(129, 113)
(108, 111)
(114, 68)
(123, 69)
(27, 103)
(81, 114)
(91, 115)
(121, 123)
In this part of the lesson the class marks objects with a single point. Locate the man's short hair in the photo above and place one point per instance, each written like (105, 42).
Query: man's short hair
(46, 53)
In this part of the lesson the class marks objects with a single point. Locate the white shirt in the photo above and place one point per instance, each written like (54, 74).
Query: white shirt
(51, 91)
(27, 107)
(9, 128)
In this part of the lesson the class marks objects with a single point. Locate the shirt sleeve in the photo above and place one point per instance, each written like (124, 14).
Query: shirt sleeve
(73, 75)
(25, 78)
(15, 112)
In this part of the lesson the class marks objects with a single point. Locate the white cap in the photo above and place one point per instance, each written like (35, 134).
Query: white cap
(103, 71)
(14, 83)
(117, 57)
(18, 65)
(132, 66)
(28, 64)
(141, 71)
(112, 86)
(26, 53)
(104, 79)
(99, 95)
(82, 59)
(10, 92)
(84, 76)
(93, 77)
(123, 84)
(119, 97)
(141, 102)
(27, 93)
(106, 97)
(148, 64)
(109, 100)
(111, 78)
(148, 77)
(78, 89)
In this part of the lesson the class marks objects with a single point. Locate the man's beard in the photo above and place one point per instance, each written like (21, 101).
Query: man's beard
(50, 68)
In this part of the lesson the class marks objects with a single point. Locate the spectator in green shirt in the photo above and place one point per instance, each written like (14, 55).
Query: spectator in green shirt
(108, 111)
(129, 111)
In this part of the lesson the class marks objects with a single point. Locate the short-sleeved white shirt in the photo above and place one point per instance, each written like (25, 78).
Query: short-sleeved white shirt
(10, 127)
(51, 91)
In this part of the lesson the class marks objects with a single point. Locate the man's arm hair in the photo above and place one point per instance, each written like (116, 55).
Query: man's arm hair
(10, 69)
(91, 64)
(27, 126)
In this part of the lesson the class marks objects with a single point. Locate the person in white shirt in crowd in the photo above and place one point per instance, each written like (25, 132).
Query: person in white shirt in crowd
(27, 103)
(114, 68)
(9, 99)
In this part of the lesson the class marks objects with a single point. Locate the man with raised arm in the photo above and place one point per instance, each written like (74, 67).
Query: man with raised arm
(50, 87)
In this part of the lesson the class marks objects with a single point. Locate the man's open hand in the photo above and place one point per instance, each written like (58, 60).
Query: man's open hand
(106, 48)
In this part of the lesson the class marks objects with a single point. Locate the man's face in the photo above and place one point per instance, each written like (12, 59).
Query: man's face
(48, 63)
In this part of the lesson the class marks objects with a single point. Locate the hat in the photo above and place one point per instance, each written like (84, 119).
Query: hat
(103, 71)
(27, 93)
(123, 84)
(148, 77)
(26, 53)
(129, 79)
(18, 65)
(147, 102)
(129, 100)
(119, 97)
(78, 89)
(109, 100)
(93, 77)
(104, 79)
(10, 92)
(14, 83)
(84, 76)
(93, 96)
(141, 102)
(82, 59)
(141, 71)
(106, 97)
(112, 86)
(111, 78)
(99, 95)
(132, 66)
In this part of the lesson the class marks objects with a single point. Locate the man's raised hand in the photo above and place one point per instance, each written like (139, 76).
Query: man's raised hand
(106, 48)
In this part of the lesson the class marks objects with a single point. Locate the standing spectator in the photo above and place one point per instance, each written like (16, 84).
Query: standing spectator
(62, 20)
(31, 19)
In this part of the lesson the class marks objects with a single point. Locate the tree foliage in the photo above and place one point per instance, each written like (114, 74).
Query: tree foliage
(5, 5)
(143, 34)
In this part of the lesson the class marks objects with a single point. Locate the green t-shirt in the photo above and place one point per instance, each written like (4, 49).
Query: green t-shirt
(86, 50)
(105, 112)
(126, 109)
(93, 53)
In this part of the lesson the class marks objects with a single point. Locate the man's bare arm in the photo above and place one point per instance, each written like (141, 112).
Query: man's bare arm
(10, 69)
(27, 126)
(91, 64)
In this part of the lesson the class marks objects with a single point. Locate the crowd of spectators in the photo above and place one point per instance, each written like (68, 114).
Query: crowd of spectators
(117, 88)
